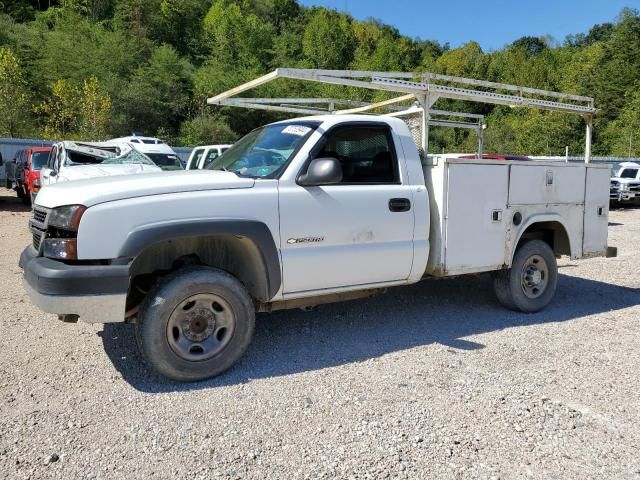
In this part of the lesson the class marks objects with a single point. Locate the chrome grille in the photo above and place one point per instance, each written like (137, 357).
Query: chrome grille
(37, 238)
(39, 215)
(38, 225)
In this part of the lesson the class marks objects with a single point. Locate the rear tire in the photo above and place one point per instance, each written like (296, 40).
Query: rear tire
(530, 284)
(26, 197)
(195, 324)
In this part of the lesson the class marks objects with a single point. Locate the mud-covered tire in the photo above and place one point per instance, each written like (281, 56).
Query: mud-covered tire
(195, 323)
(530, 284)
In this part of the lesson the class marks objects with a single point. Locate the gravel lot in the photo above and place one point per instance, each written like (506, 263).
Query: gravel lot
(432, 380)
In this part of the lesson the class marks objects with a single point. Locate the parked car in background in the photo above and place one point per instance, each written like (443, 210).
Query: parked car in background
(157, 150)
(625, 183)
(23, 172)
(201, 157)
(79, 160)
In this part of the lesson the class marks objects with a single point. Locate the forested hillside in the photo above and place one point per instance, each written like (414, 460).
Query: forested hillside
(93, 69)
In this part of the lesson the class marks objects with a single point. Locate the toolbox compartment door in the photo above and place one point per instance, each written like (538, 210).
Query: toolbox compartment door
(596, 212)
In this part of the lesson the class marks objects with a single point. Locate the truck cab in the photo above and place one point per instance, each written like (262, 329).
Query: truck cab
(201, 157)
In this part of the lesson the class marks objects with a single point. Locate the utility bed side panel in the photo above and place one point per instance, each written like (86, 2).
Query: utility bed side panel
(544, 184)
(596, 212)
(476, 220)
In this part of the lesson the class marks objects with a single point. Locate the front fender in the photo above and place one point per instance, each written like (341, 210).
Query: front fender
(139, 240)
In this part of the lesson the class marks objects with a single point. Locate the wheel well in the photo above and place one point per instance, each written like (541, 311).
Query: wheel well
(235, 254)
(552, 233)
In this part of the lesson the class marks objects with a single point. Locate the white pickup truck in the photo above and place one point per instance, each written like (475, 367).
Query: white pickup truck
(625, 184)
(300, 213)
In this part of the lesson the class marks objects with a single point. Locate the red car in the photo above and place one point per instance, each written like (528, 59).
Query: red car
(26, 172)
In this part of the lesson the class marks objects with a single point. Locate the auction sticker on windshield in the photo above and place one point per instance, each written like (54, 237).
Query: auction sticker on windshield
(299, 130)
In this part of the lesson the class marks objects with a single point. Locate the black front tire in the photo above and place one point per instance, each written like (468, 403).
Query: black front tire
(171, 296)
(530, 284)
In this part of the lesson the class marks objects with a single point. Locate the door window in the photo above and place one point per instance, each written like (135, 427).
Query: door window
(195, 160)
(211, 156)
(366, 154)
(52, 158)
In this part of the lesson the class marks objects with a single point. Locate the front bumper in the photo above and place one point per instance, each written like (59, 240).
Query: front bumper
(95, 293)
(625, 196)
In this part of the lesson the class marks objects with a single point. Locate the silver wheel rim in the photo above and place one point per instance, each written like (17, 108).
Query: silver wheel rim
(535, 276)
(200, 327)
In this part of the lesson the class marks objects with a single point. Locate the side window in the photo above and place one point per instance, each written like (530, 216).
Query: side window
(211, 156)
(59, 159)
(366, 153)
(52, 156)
(195, 160)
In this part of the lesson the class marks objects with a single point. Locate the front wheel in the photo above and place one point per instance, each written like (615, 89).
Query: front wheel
(195, 324)
(530, 284)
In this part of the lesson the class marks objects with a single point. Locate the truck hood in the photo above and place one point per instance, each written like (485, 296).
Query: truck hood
(626, 181)
(81, 172)
(120, 187)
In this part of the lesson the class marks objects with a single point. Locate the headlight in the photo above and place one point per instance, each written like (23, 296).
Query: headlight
(63, 248)
(67, 218)
(36, 182)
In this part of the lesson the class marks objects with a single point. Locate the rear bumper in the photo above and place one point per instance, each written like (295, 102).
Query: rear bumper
(95, 293)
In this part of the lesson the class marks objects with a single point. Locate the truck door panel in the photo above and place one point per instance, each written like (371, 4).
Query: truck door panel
(476, 220)
(596, 209)
(354, 233)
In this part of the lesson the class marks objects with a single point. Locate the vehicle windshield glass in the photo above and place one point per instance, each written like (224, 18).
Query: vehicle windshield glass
(264, 152)
(629, 173)
(39, 160)
(131, 157)
(166, 161)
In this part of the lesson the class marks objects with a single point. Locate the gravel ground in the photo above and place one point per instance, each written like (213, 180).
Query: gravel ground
(432, 380)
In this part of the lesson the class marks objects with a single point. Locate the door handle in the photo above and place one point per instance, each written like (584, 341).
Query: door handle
(399, 204)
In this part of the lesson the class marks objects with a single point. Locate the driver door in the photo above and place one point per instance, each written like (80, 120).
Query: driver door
(358, 232)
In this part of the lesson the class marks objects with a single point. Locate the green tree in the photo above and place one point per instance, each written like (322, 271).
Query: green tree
(622, 136)
(14, 95)
(466, 61)
(158, 93)
(206, 129)
(328, 41)
(236, 37)
(94, 109)
(61, 110)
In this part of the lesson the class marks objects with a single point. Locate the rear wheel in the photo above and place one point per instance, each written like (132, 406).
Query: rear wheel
(26, 196)
(195, 324)
(530, 284)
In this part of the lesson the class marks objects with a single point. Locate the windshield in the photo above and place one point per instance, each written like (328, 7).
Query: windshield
(131, 157)
(264, 152)
(629, 173)
(39, 160)
(166, 161)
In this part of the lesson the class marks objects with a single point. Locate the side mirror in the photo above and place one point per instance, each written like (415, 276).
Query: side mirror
(322, 171)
